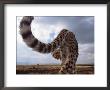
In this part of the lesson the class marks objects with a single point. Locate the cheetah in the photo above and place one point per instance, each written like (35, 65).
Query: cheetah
(63, 47)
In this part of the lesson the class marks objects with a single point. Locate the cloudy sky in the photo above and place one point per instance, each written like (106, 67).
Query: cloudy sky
(46, 28)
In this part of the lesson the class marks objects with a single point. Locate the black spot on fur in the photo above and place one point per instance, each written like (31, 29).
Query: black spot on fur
(70, 62)
(67, 64)
(24, 23)
(70, 67)
(27, 34)
(49, 47)
(34, 43)
(42, 45)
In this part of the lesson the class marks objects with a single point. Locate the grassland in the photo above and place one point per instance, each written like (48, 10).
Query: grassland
(51, 69)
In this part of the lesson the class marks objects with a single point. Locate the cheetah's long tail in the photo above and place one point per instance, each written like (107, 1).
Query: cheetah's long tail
(29, 39)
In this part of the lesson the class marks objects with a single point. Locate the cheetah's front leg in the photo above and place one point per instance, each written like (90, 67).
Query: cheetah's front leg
(68, 67)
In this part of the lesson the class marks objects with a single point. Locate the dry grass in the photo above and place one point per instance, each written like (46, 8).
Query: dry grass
(51, 69)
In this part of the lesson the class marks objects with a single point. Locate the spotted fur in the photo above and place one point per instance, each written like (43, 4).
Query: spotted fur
(57, 53)
(67, 53)
(63, 47)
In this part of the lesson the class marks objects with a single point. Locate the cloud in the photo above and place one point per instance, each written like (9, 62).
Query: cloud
(86, 54)
(44, 32)
(82, 26)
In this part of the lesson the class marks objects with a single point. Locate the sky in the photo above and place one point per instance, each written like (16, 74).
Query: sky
(46, 28)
